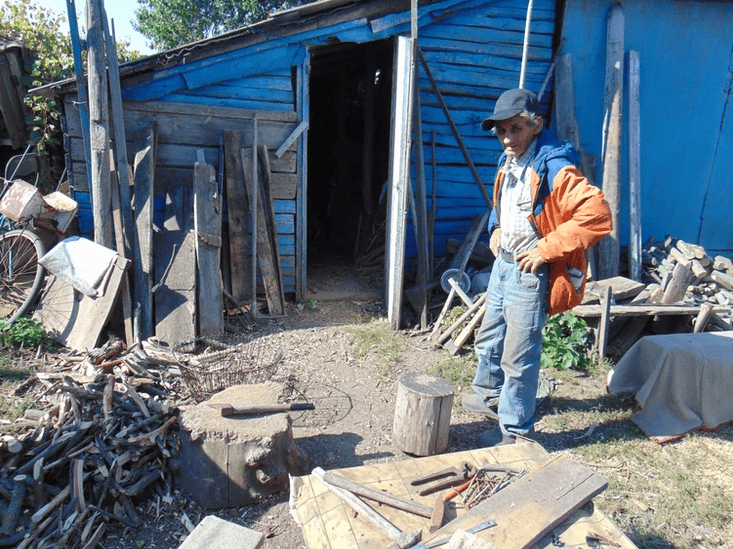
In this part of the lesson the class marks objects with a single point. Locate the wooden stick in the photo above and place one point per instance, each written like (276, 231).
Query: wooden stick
(436, 329)
(479, 302)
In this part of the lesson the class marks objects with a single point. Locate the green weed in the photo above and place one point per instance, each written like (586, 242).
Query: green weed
(566, 343)
(24, 331)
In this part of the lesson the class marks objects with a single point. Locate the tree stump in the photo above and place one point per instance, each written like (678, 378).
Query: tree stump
(422, 414)
(237, 460)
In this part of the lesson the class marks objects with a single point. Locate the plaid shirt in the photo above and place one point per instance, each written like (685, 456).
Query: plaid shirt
(517, 233)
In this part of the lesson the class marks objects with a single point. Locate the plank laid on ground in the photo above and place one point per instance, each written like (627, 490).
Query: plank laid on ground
(175, 270)
(539, 502)
(215, 533)
(239, 258)
(144, 167)
(207, 226)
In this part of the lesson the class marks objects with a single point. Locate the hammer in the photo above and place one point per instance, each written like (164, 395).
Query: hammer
(400, 540)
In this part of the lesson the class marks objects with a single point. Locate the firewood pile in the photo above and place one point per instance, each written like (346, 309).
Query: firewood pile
(103, 437)
(708, 279)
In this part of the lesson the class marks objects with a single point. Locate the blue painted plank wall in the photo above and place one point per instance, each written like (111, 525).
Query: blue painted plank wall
(474, 49)
(686, 59)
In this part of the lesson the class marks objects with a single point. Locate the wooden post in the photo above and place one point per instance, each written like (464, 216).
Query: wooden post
(608, 265)
(567, 129)
(99, 126)
(422, 414)
(603, 324)
(81, 85)
(525, 45)
(634, 169)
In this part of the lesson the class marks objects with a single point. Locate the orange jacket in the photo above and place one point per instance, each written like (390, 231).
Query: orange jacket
(568, 212)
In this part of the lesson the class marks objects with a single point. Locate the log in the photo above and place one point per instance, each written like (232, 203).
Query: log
(613, 101)
(682, 276)
(422, 414)
(236, 460)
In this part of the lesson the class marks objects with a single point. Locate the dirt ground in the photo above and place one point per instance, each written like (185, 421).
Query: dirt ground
(354, 394)
(324, 360)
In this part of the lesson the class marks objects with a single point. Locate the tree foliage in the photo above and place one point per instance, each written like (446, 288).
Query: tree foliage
(47, 58)
(172, 23)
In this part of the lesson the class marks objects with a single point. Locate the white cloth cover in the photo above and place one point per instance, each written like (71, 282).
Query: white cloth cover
(82, 263)
(683, 382)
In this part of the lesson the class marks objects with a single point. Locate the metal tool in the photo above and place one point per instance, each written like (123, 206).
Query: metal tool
(400, 540)
(478, 528)
(378, 495)
(453, 476)
(227, 410)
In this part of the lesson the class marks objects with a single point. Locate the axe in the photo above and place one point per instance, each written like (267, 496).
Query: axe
(227, 410)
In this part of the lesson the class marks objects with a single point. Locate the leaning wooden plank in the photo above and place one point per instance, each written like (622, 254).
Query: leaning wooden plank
(272, 228)
(539, 502)
(239, 259)
(207, 226)
(265, 251)
(175, 270)
(75, 322)
(117, 218)
(144, 167)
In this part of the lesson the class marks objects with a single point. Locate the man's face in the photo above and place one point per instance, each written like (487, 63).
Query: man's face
(515, 134)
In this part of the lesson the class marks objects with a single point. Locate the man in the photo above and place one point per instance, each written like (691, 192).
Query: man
(545, 215)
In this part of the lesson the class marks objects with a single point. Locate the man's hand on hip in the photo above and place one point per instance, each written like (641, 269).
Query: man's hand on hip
(530, 261)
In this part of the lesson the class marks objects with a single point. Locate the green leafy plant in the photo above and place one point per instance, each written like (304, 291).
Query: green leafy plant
(566, 342)
(24, 330)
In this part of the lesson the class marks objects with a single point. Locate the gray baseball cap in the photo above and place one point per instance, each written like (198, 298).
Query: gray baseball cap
(511, 103)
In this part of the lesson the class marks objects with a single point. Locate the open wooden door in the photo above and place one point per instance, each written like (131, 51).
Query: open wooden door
(399, 178)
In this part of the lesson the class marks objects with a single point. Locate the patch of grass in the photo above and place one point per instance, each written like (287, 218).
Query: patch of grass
(674, 496)
(458, 370)
(376, 338)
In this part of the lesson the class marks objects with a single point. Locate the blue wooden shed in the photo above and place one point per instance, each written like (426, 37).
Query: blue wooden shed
(324, 74)
(685, 52)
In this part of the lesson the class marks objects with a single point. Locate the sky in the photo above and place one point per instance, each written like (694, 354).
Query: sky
(119, 11)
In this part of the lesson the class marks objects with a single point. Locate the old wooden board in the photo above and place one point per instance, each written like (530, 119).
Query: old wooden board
(239, 258)
(589, 311)
(175, 270)
(622, 288)
(539, 501)
(327, 522)
(144, 167)
(207, 226)
(266, 248)
(74, 319)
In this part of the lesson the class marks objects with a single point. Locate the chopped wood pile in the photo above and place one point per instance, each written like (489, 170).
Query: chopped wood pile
(709, 279)
(107, 437)
(684, 289)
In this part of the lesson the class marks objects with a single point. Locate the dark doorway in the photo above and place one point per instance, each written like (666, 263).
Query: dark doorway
(348, 149)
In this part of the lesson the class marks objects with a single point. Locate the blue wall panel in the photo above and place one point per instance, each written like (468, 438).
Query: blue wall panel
(685, 53)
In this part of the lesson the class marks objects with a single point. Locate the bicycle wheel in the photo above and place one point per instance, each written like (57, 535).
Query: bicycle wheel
(21, 275)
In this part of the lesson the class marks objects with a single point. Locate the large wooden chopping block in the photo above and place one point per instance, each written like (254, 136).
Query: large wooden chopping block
(237, 460)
